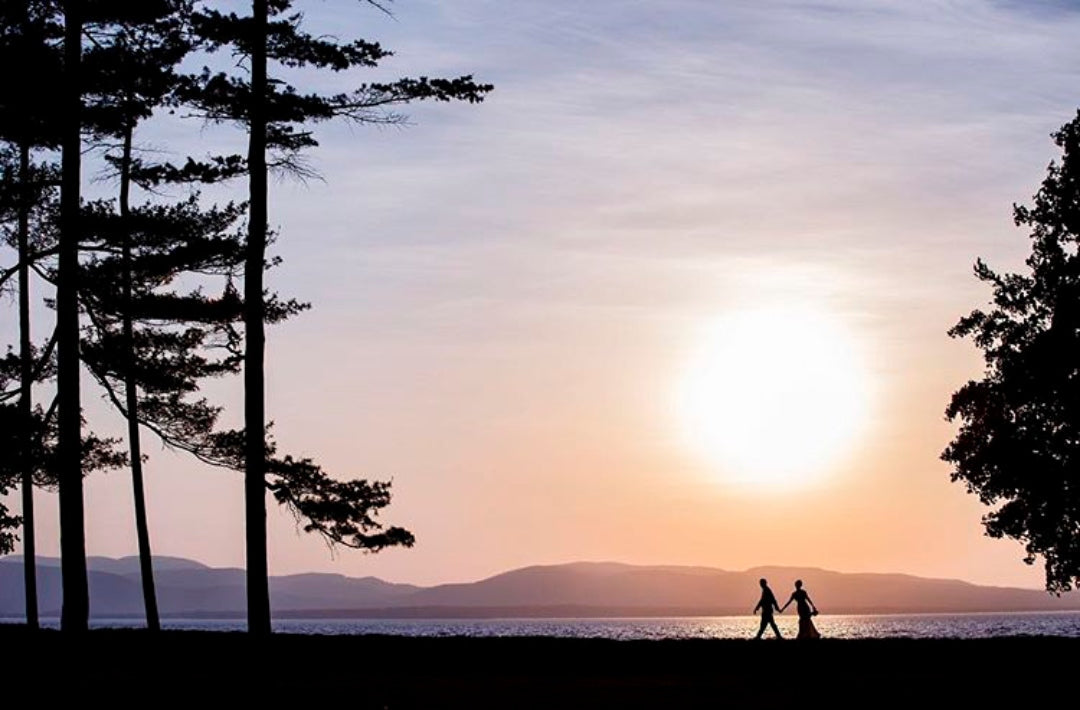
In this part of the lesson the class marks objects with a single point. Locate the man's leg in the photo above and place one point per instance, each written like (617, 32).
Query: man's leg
(764, 623)
(772, 622)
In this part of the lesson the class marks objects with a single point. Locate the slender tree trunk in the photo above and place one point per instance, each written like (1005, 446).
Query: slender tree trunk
(258, 585)
(142, 530)
(26, 382)
(75, 614)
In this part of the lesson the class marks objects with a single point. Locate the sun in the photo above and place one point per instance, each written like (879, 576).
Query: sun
(774, 395)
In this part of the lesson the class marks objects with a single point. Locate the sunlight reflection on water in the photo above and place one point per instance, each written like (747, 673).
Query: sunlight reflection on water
(881, 626)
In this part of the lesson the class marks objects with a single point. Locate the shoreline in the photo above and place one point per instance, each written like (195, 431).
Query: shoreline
(927, 625)
(513, 614)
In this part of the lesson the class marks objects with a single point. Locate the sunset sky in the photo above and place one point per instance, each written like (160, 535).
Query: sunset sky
(521, 310)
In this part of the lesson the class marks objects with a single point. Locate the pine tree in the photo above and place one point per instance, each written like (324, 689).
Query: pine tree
(28, 32)
(79, 19)
(24, 195)
(132, 63)
(75, 612)
(28, 35)
(276, 117)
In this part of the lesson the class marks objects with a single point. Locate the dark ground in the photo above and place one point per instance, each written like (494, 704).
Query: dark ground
(177, 669)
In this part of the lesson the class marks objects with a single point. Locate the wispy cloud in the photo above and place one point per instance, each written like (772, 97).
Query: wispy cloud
(836, 131)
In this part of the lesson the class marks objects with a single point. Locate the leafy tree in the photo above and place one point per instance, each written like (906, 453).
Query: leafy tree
(277, 118)
(1018, 446)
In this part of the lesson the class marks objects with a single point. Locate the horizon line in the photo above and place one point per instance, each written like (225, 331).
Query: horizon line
(41, 558)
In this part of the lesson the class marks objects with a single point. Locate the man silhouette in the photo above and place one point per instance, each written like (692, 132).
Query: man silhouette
(767, 604)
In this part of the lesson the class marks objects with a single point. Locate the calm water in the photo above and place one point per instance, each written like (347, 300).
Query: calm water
(883, 626)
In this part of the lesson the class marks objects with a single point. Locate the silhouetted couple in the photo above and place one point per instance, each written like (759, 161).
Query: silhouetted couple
(803, 604)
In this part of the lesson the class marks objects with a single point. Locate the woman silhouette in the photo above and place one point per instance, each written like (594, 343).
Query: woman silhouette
(807, 611)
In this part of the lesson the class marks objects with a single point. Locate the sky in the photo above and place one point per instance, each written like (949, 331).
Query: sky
(510, 300)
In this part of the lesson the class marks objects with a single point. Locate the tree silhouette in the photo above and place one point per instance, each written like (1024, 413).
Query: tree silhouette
(1018, 447)
(132, 62)
(26, 200)
(97, 453)
(76, 16)
(25, 428)
(75, 612)
(277, 117)
(8, 522)
(77, 21)
(12, 428)
(28, 31)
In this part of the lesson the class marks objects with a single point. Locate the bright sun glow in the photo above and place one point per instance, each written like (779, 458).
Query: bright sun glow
(774, 396)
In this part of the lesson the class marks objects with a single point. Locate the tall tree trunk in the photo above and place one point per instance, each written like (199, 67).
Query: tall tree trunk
(75, 614)
(142, 530)
(258, 586)
(26, 382)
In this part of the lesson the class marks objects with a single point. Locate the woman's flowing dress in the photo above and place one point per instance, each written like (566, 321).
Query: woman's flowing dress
(806, 617)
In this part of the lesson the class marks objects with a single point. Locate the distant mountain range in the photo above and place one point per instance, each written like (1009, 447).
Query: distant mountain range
(599, 589)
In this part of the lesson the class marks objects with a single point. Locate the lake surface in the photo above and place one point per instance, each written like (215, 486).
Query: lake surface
(876, 626)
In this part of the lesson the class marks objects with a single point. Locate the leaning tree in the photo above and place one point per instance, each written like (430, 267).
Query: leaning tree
(145, 340)
(1018, 446)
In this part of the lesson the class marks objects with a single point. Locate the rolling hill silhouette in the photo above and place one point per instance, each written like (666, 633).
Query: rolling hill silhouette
(189, 588)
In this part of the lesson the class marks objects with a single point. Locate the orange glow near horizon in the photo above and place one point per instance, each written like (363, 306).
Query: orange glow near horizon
(774, 396)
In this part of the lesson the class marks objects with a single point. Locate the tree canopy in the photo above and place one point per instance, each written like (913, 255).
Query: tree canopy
(1018, 447)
